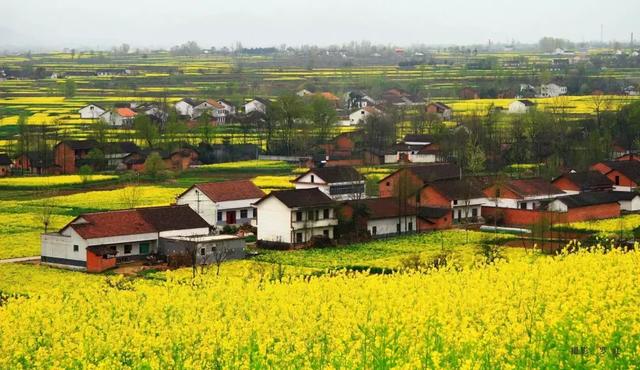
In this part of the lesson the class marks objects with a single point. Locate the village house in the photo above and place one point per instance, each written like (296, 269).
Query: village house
(521, 106)
(414, 148)
(228, 106)
(400, 97)
(585, 181)
(469, 93)
(36, 163)
(625, 175)
(295, 216)
(442, 110)
(175, 160)
(591, 206)
(358, 100)
(5, 165)
(434, 218)
(70, 155)
(91, 111)
(257, 104)
(304, 92)
(99, 241)
(521, 193)
(213, 108)
(409, 180)
(331, 98)
(463, 197)
(360, 116)
(115, 153)
(186, 106)
(339, 183)
(223, 203)
(119, 117)
(382, 216)
(552, 90)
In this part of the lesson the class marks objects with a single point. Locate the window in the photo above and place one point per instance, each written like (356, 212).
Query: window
(298, 237)
(325, 213)
(523, 205)
(127, 249)
(325, 233)
(410, 226)
(219, 216)
(455, 202)
(313, 179)
(474, 212)
(243, 213)
(299, 216)
(255, 213)
(459, 214)
(310, 215)
(398, 228)
(144, 248)
(374, 230)
(388, 183)
(76, 248)
(203, 251)
(317, 214)
(617, 180)
(346, 189)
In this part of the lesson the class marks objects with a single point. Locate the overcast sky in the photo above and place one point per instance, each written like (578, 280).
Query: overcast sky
(160, 23)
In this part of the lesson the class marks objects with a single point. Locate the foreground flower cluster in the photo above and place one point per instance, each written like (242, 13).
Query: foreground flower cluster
(569, 311)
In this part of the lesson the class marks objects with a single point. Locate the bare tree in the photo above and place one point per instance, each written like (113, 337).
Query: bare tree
(48, 204)
(130, 196)
(219, 255)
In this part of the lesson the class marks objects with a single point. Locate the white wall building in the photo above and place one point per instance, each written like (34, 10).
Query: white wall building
(339, 183)
(520, 106)
(295, 216)
(223, 203)
(257, 104)
(552, 90)
(91, 111)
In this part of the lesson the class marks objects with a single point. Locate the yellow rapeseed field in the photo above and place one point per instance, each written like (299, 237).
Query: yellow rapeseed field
(570, 311)
(46, 181)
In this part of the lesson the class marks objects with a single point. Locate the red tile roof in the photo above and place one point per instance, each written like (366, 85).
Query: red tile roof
(125, 112)
(533, 187)
(136, 221)
(329, 96)
(229, 190)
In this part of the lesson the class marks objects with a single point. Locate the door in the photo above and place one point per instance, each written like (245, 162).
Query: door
(231, 217)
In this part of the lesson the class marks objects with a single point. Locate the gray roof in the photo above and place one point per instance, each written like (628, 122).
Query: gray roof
(299, 198)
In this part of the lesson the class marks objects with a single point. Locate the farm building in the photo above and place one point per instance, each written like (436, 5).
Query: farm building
(5, 165)
(552, 90)
(400, 97)
(207, 249)
(119, 117)
(69, 155)
(257, 104)
(98, 241)
(176, 160)
(360, 116)
(578, 182)
(521, 193)
(383, 216)
(594, 205)
(358, 100)
(115, 153)
(228, 106)
(441, 109)
(295, 216)
(625, 175)
(91, 111)
(520, 106)
(469, 93)
(36, 163)
(408, 153)
(339, 183)
(186, 106)
(412, 178)
(223, 203)
(434, 218)
(462, 197)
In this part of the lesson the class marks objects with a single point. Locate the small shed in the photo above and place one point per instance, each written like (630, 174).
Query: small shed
(208, 248)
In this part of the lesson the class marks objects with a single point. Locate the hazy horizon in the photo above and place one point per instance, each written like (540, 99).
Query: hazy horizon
(57, 24)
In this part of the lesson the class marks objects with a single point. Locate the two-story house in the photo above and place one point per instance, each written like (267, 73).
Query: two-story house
(463, 197)
(339, 183)
(295, 216)
(223, 203)
(521, 194)
(68, 155)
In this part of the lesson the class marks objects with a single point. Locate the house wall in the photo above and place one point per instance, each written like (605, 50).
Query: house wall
(91, 112)
(273, 221)
(358, 117)
(444, 222)
(95, 263)
(388, 226)
(184, 109)
(58, 249)
(430, 197)
(5, 171)
(620, 181)
(521, 217)
(566, 185)
(65, 157)
(632, 205)
(234, 248)
(208, 209)
(518, 108)
(386, 186)
(255, 106)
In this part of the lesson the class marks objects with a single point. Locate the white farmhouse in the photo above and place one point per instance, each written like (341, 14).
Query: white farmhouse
(186, 106)
(228, 106)
(384, 216)
(339, 183)
(552, 90)
(295, 216)
(521, 106)
(223, 203)
(91, 111)
(360, 115)
(257, 104)
(98, 241)
(119, 117)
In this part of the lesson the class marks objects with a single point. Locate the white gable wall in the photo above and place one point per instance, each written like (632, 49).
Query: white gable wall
(274, 221)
